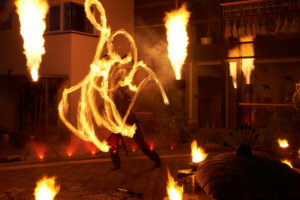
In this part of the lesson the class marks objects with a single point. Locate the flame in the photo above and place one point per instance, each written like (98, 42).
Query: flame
(176, 24)
(283, 143)
(174, 191)
(151, 145)
(70, 150)
(299, 153)
(133, 147)
(32, 14)
(101, 82)
(40, 150)
(235, 52)
(232, 69)
(172, 146)
(287, 162)
(245, 49)
(247, 63)
(91, 147)
(198, 154)
(46, 189)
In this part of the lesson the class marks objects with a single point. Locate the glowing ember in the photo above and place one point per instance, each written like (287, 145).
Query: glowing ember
(91, 147)
(32, 14)
(176, 24)
(100, 85)
(151, 145)
(133, 147)
(172, 146)
(283, 143)
(40, 150)
(198, 154)
(287, 162)
(46, 189)
(174, 190)
(70, 150)
(247, 50)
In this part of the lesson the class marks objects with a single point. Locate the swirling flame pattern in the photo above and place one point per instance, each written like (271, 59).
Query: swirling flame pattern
(99, 83)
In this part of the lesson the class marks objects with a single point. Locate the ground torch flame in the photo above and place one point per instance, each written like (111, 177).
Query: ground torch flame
(46, 189)
(198, 154)
(174, 191)
(283, 143)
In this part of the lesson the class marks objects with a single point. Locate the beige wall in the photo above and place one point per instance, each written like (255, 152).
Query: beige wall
(68, 54)
(57, 59)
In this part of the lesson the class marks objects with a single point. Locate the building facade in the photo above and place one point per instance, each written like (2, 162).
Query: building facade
(30, 108)
(215, 28)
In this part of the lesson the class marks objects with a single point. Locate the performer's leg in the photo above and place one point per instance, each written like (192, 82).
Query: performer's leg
(139, 139)
(115, 158)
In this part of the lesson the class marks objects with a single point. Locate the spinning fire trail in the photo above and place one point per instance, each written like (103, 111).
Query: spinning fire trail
(101, 84)
(32, 14)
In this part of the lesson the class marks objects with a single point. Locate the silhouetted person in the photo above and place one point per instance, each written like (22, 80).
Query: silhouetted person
(122, 101)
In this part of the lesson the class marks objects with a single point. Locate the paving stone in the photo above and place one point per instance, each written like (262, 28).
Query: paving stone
(137, 175)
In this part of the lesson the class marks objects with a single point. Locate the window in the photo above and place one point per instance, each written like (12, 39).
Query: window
(53, 21)
(5, 13)
(75, 19)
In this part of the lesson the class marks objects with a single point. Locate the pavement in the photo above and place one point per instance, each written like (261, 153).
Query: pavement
(93, 173)
(86, 173)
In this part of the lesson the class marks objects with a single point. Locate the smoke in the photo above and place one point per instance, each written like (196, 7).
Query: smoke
(153, 50)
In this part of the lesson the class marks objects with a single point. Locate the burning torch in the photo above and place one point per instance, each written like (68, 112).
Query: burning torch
(176, 23)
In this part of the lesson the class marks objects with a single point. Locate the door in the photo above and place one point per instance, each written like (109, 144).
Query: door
(211, 102)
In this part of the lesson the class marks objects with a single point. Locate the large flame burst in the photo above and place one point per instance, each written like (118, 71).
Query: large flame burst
(176, 24)
(46, 189)
(174, 191)
(32, 14)
(245, 49)
(99, 84)
(235, 52)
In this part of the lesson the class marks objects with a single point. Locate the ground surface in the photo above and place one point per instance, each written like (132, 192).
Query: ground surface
(95, 175)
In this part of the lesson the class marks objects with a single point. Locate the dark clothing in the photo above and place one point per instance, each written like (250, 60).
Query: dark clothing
(122, 101)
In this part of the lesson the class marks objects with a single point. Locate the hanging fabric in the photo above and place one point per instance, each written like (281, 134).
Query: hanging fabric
(263, 30)
(227, 33)
(293, 28)
(248, 27)
(253, 27)
(257, 26)
(274, 26)
(285, 26)
(241, 29)
(234, 30)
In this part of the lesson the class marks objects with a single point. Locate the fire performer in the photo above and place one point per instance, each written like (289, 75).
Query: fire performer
(122, 100)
